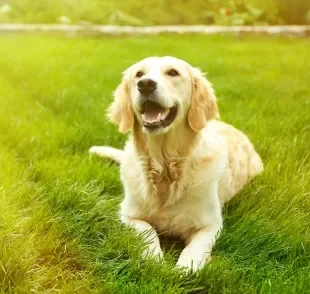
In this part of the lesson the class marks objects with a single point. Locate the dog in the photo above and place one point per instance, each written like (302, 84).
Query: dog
(181, 163)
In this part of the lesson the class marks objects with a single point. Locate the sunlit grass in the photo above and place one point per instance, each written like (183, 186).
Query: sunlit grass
(59, 229)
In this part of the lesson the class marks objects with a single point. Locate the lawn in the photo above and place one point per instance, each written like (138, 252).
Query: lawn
(59, 229)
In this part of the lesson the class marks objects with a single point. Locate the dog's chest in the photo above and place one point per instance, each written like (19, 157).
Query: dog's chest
(165, 179)
(160, 192)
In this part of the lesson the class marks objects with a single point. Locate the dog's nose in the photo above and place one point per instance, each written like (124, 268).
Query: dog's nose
(146, 86)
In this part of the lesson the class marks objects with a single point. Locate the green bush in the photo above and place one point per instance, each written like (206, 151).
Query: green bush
(294, 12)
(157, 12)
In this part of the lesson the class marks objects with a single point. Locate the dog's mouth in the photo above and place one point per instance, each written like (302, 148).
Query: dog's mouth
(155, 116)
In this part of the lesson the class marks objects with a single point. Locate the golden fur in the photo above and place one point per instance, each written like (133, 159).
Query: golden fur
(176, 181)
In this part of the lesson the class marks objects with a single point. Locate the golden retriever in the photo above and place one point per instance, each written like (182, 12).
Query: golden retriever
(181, 164)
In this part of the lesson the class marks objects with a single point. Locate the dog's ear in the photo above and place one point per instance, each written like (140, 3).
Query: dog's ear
(120, 111)
(203, 105)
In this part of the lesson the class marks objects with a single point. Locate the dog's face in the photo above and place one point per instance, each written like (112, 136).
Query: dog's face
(161, 93)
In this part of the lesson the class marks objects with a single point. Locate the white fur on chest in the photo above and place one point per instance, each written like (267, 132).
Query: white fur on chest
(188, 202)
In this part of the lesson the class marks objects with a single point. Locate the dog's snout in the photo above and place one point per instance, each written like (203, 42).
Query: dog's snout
(147, 86)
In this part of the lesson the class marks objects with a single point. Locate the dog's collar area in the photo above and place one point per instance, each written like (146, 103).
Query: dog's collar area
(155, 116)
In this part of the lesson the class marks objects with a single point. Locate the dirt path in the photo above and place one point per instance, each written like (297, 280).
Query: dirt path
(90, 29)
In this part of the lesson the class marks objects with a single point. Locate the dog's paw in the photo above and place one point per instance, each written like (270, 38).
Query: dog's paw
(153, 252)
(189, 263)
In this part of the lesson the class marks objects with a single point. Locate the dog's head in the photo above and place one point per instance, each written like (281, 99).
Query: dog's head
(160, 93)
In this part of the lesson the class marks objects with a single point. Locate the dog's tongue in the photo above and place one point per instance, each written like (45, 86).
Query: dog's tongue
(153, 112)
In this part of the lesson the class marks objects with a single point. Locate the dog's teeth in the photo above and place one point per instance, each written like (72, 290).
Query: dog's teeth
(158, 117)
(143, 117)
(164, 115)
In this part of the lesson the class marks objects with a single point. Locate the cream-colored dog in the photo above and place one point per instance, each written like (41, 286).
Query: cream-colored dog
(180, 164)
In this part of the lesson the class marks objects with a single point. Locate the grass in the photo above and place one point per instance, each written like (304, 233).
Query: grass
(59, 229)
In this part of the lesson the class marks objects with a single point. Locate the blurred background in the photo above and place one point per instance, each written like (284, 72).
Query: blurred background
(157, 12)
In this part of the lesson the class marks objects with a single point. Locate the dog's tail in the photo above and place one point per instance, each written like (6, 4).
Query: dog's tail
(107, 152)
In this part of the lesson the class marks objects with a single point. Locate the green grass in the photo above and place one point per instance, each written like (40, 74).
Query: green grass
(59, 229)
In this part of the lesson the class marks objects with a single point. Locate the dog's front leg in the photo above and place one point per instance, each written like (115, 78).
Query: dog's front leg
(200, 242)
(198, 252)
(149, 235)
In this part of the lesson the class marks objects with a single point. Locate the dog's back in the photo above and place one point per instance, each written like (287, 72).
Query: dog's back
(243, 161)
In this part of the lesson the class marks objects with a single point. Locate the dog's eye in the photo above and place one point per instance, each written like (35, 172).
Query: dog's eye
(139, 74)
(172, 73)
